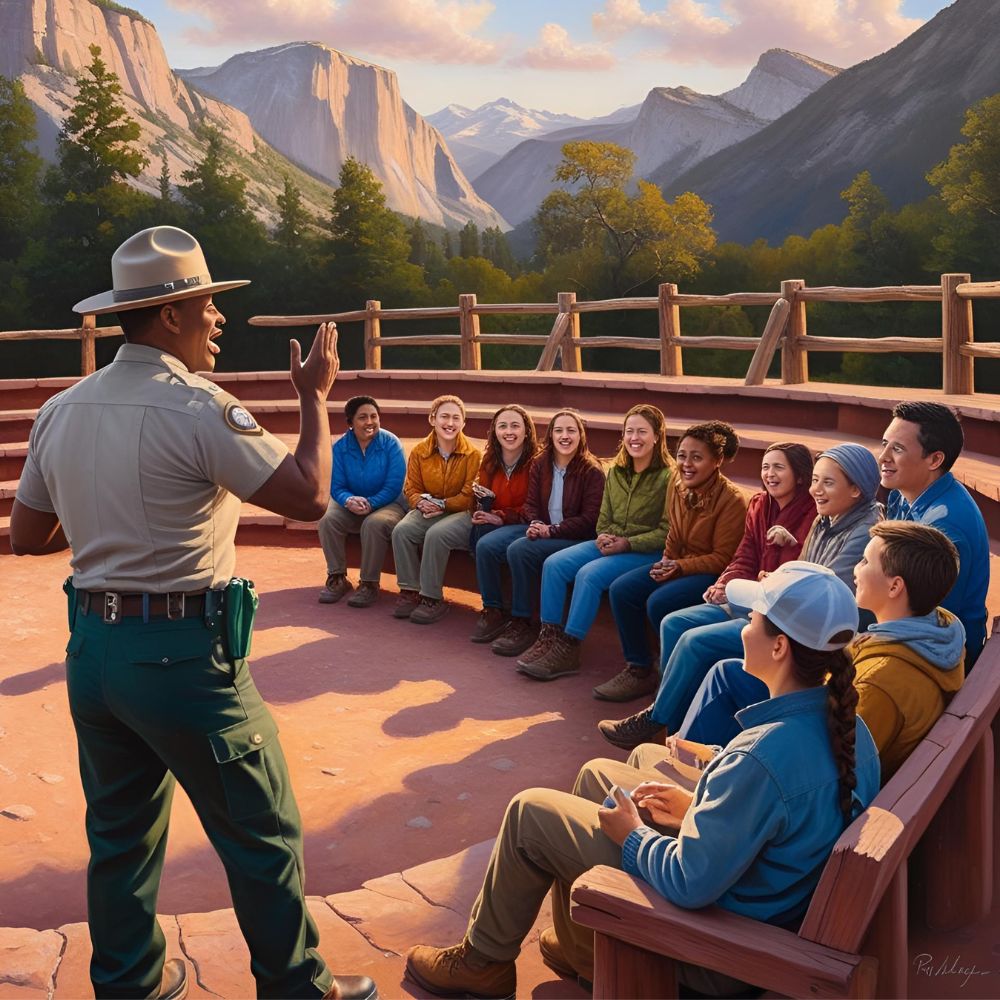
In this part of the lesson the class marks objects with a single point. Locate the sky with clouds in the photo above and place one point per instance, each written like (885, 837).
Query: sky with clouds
(582, 57)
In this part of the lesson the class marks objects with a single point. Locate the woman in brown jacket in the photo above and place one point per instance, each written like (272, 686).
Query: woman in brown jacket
(707, 514)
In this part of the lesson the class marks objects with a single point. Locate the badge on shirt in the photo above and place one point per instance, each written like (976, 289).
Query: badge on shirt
(241, 420)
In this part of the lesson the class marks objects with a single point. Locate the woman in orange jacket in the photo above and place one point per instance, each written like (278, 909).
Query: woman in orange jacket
(438, 486)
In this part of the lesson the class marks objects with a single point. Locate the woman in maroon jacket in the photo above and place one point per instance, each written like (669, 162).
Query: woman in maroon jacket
(565, 488)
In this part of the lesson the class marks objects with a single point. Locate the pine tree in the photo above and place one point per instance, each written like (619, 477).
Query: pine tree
(165, 196)
(418, 244)
(290, 231)
(468, 240)
(20, 168)
(97, 142)
(447, 247)
(214, 192)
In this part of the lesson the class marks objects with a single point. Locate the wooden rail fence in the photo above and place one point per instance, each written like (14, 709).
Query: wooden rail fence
(785, 330)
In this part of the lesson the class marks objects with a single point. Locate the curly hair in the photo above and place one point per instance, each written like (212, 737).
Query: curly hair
(493, 450)
(654, 417)
(584, 457)
(437, 403)
(811, 667)
(718, 436)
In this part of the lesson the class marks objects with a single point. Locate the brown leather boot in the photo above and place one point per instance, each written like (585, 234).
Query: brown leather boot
(629, 684)
(406, 603)
(351, 988)
(461, 971)
(546, 636)
(492, 621)
(366, 596)
(337, 585)
(627, 734)
(174, 981)
(555, 958)
(429, 611)
(517, 637)
(560, 659)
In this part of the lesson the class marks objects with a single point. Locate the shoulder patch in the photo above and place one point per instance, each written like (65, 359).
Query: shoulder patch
(241, 420)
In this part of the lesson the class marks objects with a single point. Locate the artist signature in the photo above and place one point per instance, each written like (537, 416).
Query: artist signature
(948, 966)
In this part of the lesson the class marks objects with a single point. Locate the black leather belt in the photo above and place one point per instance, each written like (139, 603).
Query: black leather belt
(113, 606)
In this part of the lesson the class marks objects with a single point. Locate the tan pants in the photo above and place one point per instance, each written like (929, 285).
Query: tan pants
(375, 530)
(439, 536)
(548, 840)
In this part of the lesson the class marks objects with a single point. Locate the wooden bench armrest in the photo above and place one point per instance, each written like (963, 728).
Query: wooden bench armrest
(616, 904)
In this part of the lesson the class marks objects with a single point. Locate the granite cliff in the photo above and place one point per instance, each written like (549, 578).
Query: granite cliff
(319, 106)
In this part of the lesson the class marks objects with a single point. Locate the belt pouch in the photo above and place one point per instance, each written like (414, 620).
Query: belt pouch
(70, 591)
(241, 609)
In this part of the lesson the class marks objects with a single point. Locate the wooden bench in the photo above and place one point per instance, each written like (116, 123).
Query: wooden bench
(929, 830)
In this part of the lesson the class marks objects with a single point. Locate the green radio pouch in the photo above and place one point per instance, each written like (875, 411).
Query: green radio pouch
(241, 608)
(70, 591)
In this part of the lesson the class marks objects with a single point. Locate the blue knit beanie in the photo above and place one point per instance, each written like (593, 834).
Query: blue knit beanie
(859, 466)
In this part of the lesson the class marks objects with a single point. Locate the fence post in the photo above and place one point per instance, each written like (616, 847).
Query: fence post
(670, 331)
(88, 338)
(468, 326)
(373, 330)
(794, 360)
(958, 375)
(570, 352)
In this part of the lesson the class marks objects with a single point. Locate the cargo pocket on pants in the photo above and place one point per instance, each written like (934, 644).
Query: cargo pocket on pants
(243, 773)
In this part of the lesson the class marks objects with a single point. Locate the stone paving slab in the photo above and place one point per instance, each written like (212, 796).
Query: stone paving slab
(366, 931)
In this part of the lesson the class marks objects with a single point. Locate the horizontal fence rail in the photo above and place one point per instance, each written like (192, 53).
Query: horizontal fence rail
(785, 330)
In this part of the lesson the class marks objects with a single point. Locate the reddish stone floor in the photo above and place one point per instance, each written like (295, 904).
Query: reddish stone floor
(404, 743)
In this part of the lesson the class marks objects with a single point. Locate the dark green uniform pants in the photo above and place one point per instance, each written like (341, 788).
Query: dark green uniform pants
(160, 701)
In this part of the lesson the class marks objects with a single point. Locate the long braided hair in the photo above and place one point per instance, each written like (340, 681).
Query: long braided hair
(811, 668)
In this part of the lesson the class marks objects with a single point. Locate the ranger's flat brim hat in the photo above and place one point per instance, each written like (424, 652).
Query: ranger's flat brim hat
(155, 266)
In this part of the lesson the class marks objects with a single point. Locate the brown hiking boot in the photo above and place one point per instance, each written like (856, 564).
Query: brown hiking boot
(546, 636)
(337, 585)
(555, 958)
(428, 611)
(406, 604)
(559, 660)
(351, 988)
(492, 621)
(174, 981)
(518, 636)
(631, 683)
(461, 971)
(627, 734)
(365, 597)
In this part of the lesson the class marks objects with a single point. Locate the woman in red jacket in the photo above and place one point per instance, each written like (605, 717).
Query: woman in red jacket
(561, 508)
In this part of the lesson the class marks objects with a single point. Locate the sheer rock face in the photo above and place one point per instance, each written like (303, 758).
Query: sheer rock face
(676, 128)
(895, 115)
(319, 106)
(47, 44)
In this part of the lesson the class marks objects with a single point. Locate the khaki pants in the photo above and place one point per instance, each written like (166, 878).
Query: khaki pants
(375, 530)
(548, 840)
(439, 536)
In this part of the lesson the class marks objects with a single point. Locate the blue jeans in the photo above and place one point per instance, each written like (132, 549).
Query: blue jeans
(692, 640)
(726, 689)
(508, 544)
(635, 596)
(590, 573)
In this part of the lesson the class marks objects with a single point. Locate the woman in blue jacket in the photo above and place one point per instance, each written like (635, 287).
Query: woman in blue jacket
(752, 837)
(365, 499)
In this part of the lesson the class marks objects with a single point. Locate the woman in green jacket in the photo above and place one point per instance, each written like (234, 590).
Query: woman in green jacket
(631, 530)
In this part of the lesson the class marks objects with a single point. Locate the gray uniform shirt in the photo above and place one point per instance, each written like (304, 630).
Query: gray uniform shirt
(145, 464)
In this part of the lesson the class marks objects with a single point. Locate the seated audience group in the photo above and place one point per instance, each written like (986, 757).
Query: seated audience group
(761, 684)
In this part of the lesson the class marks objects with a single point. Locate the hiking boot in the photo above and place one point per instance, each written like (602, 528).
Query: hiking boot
(461, 971)
(337, 585)
(546, 636)
(366, 596)
(429, 611)
(555, 958)
(518, 636)
(631, 683)
(174, 981)
(492, 621)
(406, 604)
(351, 988)
(627, 734)
(559, 660)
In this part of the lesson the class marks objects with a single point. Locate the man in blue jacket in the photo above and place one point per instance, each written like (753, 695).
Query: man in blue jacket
(919, 448)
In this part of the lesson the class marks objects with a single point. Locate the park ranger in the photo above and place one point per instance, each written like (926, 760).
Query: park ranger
(140, 469)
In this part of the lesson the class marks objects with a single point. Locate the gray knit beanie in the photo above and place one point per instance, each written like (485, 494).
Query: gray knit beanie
(859, 466)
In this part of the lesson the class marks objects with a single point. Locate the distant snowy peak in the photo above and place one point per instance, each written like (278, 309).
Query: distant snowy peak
(497, 125)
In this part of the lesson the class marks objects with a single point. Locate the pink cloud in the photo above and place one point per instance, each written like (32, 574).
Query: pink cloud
(839, 31)
(556, 51)
(438, 31)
